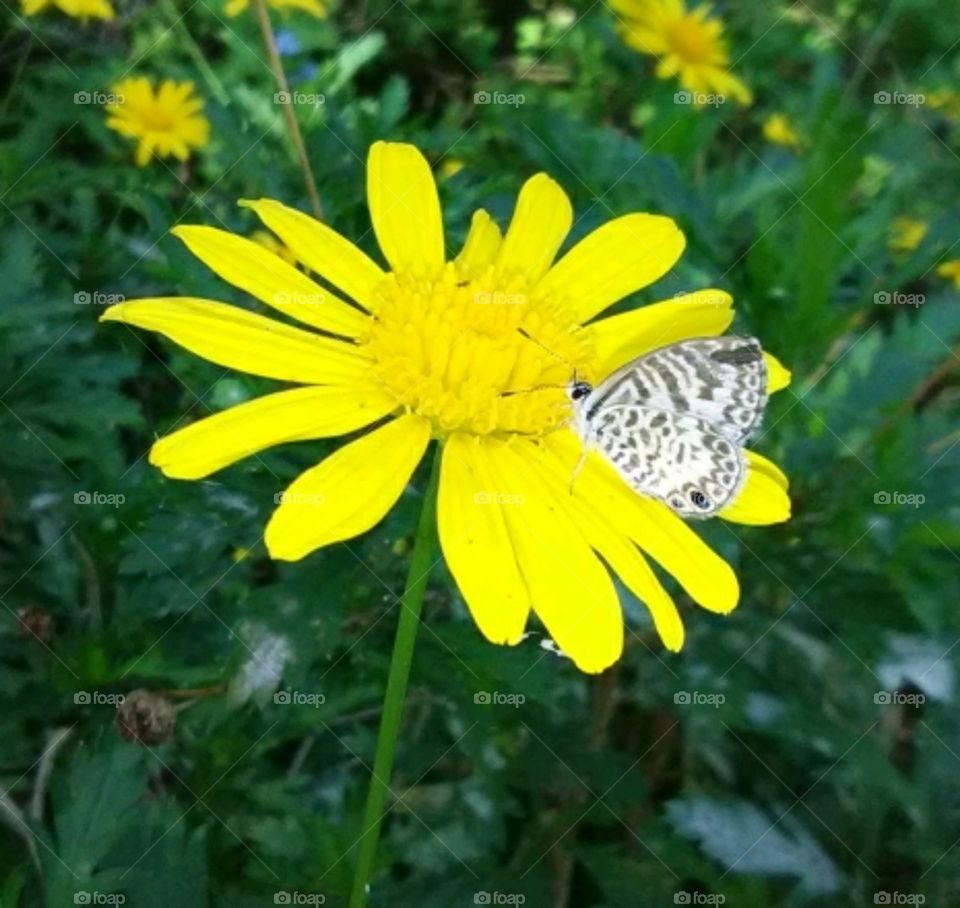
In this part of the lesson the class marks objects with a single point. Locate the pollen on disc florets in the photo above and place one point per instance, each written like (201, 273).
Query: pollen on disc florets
(449, 346)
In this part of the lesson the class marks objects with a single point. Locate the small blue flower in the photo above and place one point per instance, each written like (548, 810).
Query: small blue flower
(287, 43)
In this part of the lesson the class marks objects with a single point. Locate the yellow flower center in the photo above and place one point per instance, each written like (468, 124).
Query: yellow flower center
(449, 347)
(691, 40)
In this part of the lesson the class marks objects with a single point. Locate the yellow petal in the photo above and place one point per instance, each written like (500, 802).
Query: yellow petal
(569, 587)
(349, 492)
(764, 498)
(264, 275)
(614, 261)
(665, 537)
(405, 208)
(476, 544)
(224, 438)
(322, 250)
(759, 462)
(237, 339)
(620, 554)
(540, 224)
(778, 375)
(621, 338)
(481, 246)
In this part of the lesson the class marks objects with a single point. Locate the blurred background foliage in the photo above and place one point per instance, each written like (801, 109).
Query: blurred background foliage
(802, 751)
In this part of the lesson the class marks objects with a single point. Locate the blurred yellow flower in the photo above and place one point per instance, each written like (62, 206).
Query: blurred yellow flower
(166, 122)
(688, 44)
(318, 8)
(951, 271)
(779, 130)
(946, 100)
(425, 349)
(450, 167)
(906, 234)
(79, 9)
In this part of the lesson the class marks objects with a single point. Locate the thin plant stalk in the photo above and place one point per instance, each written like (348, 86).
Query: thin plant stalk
(421, 560)
(293, 127)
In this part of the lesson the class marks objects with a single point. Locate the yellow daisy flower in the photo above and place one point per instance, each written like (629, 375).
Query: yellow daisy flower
(166, 122)
(318, 8)
(779, 130)
(424, 349)
(79, 9)
(951, 271)
(906, 234)
(688, 44)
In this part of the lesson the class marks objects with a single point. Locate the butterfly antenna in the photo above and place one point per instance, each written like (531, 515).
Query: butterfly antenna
(544, 347)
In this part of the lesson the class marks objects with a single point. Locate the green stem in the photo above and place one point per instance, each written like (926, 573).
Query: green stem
(293, 127)
(411, 605)
(193, 49)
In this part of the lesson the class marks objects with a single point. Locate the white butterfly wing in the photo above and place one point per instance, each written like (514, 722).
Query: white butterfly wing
(722, 380)
(673, 422)
(676, 458)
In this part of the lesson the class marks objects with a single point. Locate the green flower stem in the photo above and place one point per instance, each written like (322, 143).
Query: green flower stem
(411, 604)
(293, 127)
(191, 47)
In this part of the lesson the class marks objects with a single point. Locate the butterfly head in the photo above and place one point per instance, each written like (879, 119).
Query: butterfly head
(578, 389)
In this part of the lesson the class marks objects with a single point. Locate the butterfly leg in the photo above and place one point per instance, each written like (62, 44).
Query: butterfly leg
(578, 468)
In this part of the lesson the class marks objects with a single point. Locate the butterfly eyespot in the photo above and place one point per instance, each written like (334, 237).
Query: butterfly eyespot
(699, 500)
(676, 503)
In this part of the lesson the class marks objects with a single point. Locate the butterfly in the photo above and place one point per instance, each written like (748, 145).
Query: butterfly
(673, 422)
